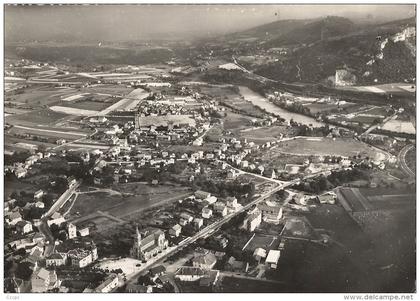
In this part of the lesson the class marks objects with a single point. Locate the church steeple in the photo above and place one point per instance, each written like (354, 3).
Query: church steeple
(138, 235)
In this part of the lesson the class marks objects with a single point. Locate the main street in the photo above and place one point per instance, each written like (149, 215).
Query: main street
(43, 225)
(207, 231)
(211, 229)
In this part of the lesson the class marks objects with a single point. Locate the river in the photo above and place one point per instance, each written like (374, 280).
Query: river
(263, 103)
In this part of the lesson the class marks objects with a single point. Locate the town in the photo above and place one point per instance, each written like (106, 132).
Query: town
(175, 176)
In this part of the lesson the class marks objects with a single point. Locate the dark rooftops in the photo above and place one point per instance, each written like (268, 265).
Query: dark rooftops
(157, 270)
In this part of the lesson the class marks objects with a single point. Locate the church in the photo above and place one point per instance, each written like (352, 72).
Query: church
(148, 243)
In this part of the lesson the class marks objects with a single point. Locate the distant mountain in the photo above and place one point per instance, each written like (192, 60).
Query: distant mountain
(376, 53)
(314, 31)
(269, 31)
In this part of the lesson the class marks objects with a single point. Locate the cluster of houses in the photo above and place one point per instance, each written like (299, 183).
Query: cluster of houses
(201, 269)
(210, 206)
(20, 170)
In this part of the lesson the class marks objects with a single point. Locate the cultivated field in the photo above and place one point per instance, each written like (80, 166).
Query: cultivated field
(48, 132)
(39, 117)
(125, 199)
(38, 96)
(346, 147)
(263, 134)
(74, 111)
(399, 126)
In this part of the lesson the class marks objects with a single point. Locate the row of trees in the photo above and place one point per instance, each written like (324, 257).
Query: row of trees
(336, 178)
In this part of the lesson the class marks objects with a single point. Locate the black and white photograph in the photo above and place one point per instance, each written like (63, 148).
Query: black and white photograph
(209, 148)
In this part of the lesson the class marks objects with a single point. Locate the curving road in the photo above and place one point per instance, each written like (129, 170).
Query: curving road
(403, 163)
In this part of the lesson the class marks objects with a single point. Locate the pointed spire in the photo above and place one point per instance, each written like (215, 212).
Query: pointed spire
(138, 235)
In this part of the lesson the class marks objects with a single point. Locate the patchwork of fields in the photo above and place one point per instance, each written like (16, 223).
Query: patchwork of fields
(346, 147)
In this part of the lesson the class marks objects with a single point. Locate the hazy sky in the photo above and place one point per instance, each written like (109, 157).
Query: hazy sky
(133, 22)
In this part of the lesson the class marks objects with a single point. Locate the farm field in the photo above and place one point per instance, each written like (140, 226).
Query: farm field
(74, 111)
(399, 126)
(362, 199)
(128, 103)
(11, 141)
(38, 96)
(320, 107)
(48, 132)
(273, 159)
(384, 88)
(347, 147)
(39, 117)
(234, 122)
(110, 89)
(264, 134)
(16, 111)
(89, 105)
(124, 199)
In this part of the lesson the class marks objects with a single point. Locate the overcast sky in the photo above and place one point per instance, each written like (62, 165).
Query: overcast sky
(134, 22)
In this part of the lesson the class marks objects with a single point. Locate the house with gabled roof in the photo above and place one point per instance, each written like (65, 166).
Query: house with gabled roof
(206, 261)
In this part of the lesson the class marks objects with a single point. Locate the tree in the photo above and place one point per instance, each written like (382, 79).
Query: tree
(42, 148)
(144, 280)
(61, 185)
(23, 271)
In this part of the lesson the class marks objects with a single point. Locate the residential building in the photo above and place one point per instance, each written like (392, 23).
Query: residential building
(220, 208)
(272, 258)
(24, 227)
(207, 261)
(35, 257)
(202, 195)
(194, 274)
(72, 230)
(80, 257)
(43, 280)
(252, 220)
(56, 259)
(206, 212)
(198, 223)
(108, 285)
(175, 230)
(84, 231)
(327, 198)
(188, 218)
(138, 288)
(13, 218)
(234, 265)
(271, 211)
(259, 254)
(38, 194)
(157, 271)
(39, 204)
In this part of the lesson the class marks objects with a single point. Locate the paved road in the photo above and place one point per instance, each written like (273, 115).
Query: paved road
(44, 229)
(403, 163)
(43, 226)
(210, 229)
(61, 200)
